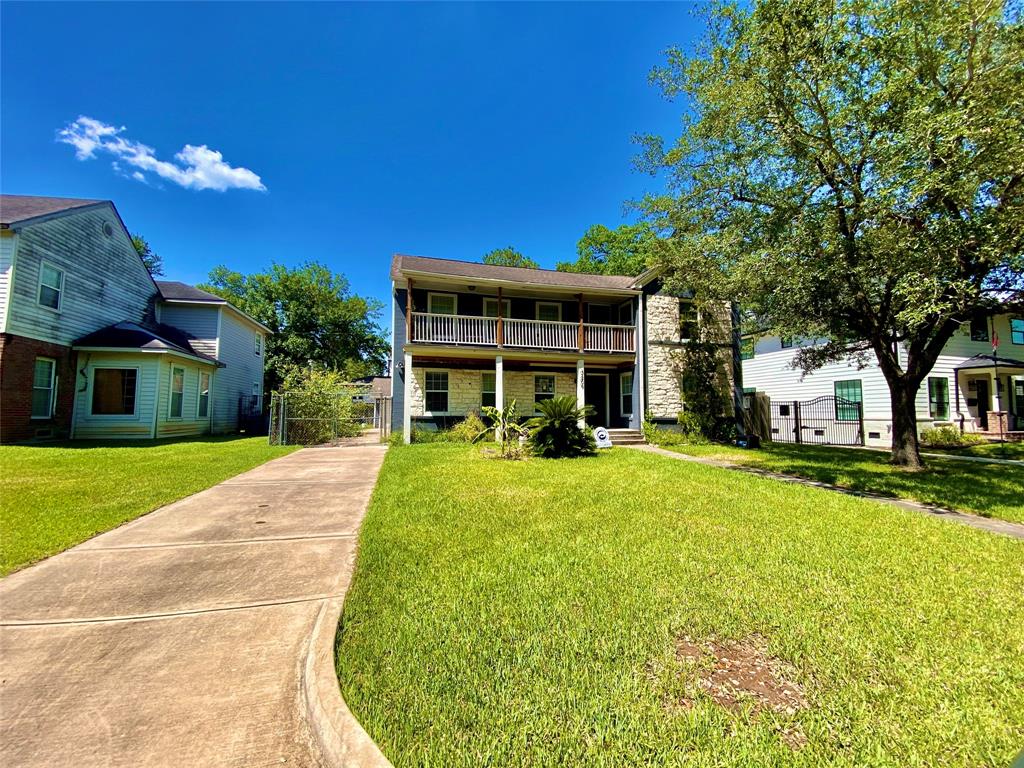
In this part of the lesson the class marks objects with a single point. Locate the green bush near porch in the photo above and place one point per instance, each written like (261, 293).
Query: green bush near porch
(55, 496)
(526, 613)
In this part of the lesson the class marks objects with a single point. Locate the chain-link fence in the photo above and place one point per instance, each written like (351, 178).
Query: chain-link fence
(318, 418)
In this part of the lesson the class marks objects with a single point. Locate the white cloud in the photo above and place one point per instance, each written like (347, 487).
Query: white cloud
(195, 167)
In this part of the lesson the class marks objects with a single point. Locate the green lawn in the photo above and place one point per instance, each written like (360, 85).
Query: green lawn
(526, 613)
(54, 497)
(991, 490)
(1012, 451)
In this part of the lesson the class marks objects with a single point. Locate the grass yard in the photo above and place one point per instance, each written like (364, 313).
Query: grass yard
(532, 613)
(991, 490)
(1012, 451)
(53, 497)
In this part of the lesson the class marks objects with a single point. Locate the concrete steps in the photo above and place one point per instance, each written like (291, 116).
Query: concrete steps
(626, 437)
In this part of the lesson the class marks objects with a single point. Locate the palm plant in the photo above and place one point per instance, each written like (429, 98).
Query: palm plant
(506, 426)
(556, 433)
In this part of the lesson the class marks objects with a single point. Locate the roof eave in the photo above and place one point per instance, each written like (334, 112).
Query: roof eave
(419, 274)
(146, 351)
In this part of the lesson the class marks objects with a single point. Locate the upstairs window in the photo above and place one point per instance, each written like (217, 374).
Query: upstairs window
(747, 348)
(113, 391)
(849, 400)
(1017, 330)
(51, 286)
(626, 313)
(43, 378)
(979, 329)
(549, 310)
(688, 321)
(938, 398)
(442, 304)
(258, 348)
(491, 307)
(488, 382)
(787, 342)
(436, 391)
(543, 388)
(177, 392)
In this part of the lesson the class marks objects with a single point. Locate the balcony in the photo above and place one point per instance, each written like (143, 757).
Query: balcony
(468, 330)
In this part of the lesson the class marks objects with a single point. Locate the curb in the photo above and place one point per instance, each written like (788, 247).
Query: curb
(337, 735)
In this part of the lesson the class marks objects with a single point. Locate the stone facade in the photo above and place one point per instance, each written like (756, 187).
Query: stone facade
(465, 386)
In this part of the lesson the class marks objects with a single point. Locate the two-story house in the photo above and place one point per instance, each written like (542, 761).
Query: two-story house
(466, 335)
(92, 347)
(969, 386)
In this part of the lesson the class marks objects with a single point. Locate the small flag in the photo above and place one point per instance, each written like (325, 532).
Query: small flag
(995, 341)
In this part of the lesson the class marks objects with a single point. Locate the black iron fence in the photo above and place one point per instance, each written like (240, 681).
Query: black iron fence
(825, 420)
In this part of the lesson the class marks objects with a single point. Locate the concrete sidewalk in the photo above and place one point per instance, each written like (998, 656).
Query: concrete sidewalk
(185, 638)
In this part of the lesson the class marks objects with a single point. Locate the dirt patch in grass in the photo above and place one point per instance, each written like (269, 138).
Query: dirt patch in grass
(740, 673)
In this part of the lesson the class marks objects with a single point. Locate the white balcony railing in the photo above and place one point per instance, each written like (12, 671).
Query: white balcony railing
(533, 334)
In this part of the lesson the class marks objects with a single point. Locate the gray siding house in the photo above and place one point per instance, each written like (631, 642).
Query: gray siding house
(468, 335)
(92, 347)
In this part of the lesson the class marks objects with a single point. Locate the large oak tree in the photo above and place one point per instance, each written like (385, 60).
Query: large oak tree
(850, 171)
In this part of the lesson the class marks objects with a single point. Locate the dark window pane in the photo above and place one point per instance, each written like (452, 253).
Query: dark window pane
(113, 391)
(979, 329)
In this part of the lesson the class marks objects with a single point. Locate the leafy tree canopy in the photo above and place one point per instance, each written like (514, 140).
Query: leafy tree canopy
(314, 318)
(509, 257)
(850, 172)
(153, 261)
(626, 250)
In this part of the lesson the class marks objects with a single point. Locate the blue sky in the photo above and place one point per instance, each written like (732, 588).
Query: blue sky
(434, 129)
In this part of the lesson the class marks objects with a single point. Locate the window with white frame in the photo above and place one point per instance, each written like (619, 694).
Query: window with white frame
(543, 387)
(43, 380)
(491, 307)
(203, 400)
(177, 392)
(436, 391)
(488, 386)
(258, 348)
(442, 304)
(255, 389)
(51, 286)
(626, 393)
(113, 391)
(549, 310)
(689, 320)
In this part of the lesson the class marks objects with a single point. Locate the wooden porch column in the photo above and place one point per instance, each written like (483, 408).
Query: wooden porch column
(501, 325)
(580, 336)
(408, 310)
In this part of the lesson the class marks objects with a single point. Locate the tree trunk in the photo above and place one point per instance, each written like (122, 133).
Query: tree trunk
(905, 452)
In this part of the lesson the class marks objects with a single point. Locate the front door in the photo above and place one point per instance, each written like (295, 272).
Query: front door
(595, 394)
(984, 402)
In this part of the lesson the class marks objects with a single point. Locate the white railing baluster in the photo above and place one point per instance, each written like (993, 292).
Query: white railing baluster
(533, 334)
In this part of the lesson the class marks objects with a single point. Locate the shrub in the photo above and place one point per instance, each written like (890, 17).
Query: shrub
(505, 423)
(948, 437)
(469, 430)
(556, 433)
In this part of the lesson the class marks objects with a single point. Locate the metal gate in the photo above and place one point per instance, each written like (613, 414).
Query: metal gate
(318, 418)
(825, 420)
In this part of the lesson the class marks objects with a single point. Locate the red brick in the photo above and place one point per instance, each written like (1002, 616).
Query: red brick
(17, 366)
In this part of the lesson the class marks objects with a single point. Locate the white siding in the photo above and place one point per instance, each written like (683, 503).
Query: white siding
(189, 423)
(7, 243)
(243, 368)
(137, 426)
(769, 371)
(105, 282)
(197, 320)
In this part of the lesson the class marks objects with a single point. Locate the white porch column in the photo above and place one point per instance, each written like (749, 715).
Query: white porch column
(580, 388)
(407, 401)
(499, 383)
(997, 398)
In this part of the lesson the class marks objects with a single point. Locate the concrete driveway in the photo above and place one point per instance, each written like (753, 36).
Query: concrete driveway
(183, 638)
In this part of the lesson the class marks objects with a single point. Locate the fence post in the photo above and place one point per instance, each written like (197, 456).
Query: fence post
(860, 420)
(284, 413)
(796, 418)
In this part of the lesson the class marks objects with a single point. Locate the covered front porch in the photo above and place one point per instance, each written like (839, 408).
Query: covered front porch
(440, 388)
(990, 396)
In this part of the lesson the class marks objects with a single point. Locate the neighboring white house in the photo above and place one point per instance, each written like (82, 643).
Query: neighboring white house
(968, 386)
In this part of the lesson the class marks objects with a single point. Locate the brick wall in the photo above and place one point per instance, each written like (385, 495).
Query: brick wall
(17, 367)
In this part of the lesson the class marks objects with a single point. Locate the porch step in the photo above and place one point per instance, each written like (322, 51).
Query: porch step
(626, 436)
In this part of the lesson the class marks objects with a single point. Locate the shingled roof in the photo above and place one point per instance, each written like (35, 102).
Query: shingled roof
(18, 208)
(129, 335)
(172, 290)
(474, 271)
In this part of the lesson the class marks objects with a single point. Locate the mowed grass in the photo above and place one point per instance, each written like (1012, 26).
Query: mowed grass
(524, 613)
(991, 490)
(1010, 451)
(53, 497)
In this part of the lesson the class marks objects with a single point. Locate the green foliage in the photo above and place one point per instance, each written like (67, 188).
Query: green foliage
(688, 434)
(627, 250)
(470, 430)
(555, 432)
(153, 261)
(852, 174)
(509, 257)
(703, 382)
(319, 406)
(948, 437)
(312, 315)
(507, 427)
